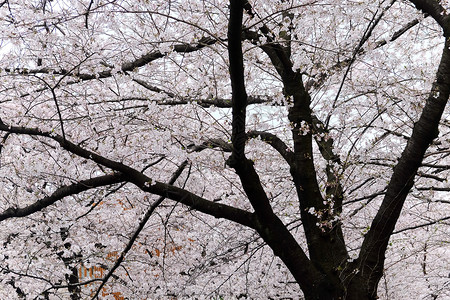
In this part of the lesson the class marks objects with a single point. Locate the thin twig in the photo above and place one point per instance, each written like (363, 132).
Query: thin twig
(138, 230)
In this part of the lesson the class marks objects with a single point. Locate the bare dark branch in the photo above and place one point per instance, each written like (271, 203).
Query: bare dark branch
(124, 68)
(421, 225)
(142, 181)
(275, 142)
(425, 130)
(436, 11)
(60, 193)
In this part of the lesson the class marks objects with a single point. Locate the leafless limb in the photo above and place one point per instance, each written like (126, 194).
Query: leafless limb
(60, 193)
(88, 10)
(422, 225)
(432, 188)
(142, 181)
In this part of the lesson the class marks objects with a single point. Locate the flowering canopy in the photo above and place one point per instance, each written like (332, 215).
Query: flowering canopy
(210, 149)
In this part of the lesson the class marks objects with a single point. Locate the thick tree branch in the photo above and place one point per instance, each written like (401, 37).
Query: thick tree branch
(124, 68)
(431, 188)
(60, 193)
(142, 181)
(326, 245)
(277, 53)
(371, 259)
(239, 95)
(276, 143)
(243, 166)
(198, 203)
(210, 144)
(440, 168)
(434, 177)
(71, 147)
(436, 11)
(268, 225)
(399, 32)
(205, 102)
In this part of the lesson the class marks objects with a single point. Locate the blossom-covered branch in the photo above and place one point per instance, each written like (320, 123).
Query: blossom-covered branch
(124, 68)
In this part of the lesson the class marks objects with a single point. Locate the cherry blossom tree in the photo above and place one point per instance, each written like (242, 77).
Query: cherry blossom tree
(205, 149)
